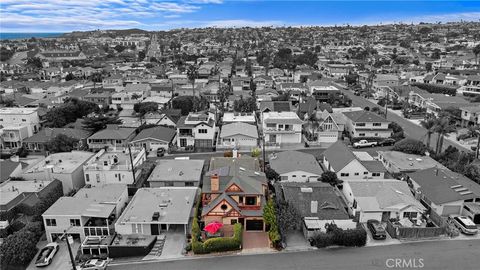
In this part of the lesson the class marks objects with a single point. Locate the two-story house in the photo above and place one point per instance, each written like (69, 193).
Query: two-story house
(114, 167)
(21, 117)
(90, 212)
(351, 165)
(234, 194)
(366, 124)
(281, 128)
(113, 136)
(196, 130)
(470, 116)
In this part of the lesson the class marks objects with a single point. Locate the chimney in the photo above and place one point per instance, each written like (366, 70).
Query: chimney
(235, 153)
(214, 182)
(313, 206)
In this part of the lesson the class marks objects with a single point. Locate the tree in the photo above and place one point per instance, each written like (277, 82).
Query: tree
(271, 174)
(289, 219)
(69, 77)
(185, 103)
(428, 66)
(119, 48)
(99, 122)
(61, 143)
(223, 94)
(141, 55)
(283, 58)
(192, 74)
(351, 79)
(425, 30)
(410, 146)
(442, 127)
(34, 62)
(429, 125)
(18, 249)
(245, 105)
(330, 178)
(263, 58)
(69, 112)
(476, 51)
(145, 107)
(397, 131)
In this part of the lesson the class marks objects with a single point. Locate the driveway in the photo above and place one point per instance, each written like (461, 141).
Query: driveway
(61, 259)
(255, 240)
(372, 242)
(296, 241)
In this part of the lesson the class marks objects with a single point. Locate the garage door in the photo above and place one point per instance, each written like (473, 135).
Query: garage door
(203, 143)
(364, 216)
(451, 210)
(254, 225)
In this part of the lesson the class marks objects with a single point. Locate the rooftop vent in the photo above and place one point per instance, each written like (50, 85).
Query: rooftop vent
(466, 192)
(155, 216)
(306, 190)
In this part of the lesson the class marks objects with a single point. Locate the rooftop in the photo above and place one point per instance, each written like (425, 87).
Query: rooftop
(5, 111)
(239, 128)
(65, 162)
(403, 162)
(290, 161)
(238, 117)
(174, 205)
(99, 201)
(177, 170)
(112, 160)
(11, 189)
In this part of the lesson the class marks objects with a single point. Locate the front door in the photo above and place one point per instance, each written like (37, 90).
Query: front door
(154, 229)
(385, 216)
(272, 138)
(241, 221)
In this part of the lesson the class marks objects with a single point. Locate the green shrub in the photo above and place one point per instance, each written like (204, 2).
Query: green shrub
(219, 244)
(336, 236)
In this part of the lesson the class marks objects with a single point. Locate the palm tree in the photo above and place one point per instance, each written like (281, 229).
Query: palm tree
(192, 74)
(429, 125)
(442, 127)
(313, 122)
(476, 51)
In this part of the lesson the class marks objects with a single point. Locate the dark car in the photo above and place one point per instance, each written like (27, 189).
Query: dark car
(387, 142)
(378, 232)
(160, 152)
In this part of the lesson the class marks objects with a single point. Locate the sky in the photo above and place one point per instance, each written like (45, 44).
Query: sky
(82, 15)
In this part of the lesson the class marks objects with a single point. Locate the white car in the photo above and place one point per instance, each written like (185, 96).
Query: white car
(364, 143)
(45, 256)
(95, 264)
(465, 225)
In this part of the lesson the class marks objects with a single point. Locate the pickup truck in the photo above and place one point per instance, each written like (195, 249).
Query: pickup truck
(364, 143)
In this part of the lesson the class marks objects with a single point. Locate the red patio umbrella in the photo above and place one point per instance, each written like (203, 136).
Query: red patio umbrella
(213, 227)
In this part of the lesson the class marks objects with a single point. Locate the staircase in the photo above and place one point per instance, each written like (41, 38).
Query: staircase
(158, 247)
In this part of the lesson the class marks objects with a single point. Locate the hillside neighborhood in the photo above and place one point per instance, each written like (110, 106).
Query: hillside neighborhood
(121, 146)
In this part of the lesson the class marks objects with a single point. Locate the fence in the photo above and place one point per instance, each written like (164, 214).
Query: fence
(413, 232)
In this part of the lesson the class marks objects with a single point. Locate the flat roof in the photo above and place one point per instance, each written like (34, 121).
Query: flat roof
(4, 111)
(65, 162)
(173, 204)
(99, 201)
(9, 190)
(177, 170)
(408, 162)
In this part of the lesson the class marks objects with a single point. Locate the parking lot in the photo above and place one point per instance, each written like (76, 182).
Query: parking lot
(61, 259)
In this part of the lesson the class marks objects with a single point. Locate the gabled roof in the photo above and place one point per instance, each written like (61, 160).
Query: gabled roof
(6, 169)
(365, 117)
(157, 133)
(338, 155)
(443, 186)
(275, 106)
(47, 134)
(290, 161)
(113, 133)
(239, 128)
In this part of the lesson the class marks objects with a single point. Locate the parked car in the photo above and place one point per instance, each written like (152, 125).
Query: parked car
(364, 143)
(377, 230)
(160, 152)
(387, 142)
(465, 225)
(94, 264)
(46, 254)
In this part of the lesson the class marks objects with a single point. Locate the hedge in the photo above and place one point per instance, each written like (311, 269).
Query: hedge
(436, 89)
(20, 248)
(338, 237)
(219, 244)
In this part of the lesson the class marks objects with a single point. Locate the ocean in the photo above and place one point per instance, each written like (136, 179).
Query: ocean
(28, 35)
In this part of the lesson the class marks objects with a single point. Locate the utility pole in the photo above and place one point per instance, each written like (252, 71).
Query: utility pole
(131, 162)
(386, 104)
(65, 236)
(477, 151)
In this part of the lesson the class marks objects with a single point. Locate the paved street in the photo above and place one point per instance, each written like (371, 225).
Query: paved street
(450, 254)
(411, 130)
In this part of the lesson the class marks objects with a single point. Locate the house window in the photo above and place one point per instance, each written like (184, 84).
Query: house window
(294, 176)
(118, 141)
(365, 173)
(169, 184)
(202, 131)
(233, 221)
(51, 222)
(361, 134)
(360, 124)
(356, 173)
(24, 120)
(189, 184)
(354, 204)
(75, 222)
(251, 201)
(87, 177)
(375, 174)
(410, 215)
(183, 142)
(345, 174)
(377, 124)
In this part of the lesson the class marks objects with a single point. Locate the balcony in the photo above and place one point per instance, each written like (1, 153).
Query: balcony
(279, 130)
(186, 135)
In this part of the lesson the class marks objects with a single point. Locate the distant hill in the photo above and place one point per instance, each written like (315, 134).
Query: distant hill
(111, 33)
